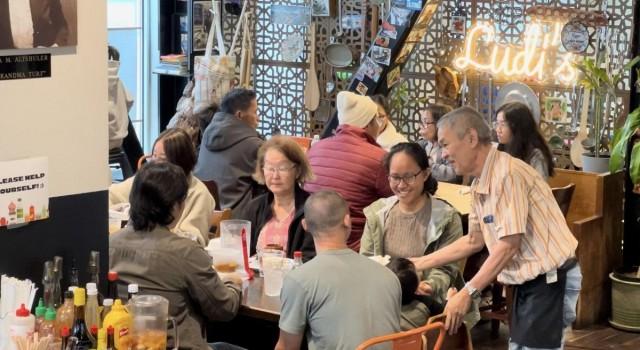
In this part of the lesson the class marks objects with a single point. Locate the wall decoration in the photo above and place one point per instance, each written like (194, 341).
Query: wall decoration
(24, 194)
(388, 30)
(381, 55)
(290, 15)
(398, 16)
(361, 88)
(555, 109)
(38, 23)
(25, 66)
(371, 69)
(575, 37)
(323, 8)
(202, 20)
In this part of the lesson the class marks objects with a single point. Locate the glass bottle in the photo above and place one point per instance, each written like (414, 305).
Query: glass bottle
(112, 278)
(80, 330)
(57, 287)
(110, 339)
(48, 283)
(19, 211)
(74, 279)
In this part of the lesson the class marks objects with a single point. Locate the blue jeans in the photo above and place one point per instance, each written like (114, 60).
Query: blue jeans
(571, 292)
(225, 346)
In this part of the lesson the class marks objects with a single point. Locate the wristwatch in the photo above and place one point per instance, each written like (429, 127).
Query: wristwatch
(473, 291)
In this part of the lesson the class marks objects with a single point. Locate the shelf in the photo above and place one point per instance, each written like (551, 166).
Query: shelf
(169, 71)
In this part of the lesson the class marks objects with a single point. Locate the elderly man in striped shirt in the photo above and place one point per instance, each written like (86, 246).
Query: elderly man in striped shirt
(516, 216)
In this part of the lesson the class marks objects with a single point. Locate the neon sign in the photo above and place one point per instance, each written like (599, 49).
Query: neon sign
(536, 59)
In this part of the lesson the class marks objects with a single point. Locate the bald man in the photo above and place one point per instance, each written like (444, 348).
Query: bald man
(339, 297)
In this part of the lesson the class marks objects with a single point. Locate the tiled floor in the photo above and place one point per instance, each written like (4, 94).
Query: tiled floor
(600, 337)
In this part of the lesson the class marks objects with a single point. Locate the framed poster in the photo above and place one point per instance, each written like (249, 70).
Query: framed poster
(51, 23)
(324, 8)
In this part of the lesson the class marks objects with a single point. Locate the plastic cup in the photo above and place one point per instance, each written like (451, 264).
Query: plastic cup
(268, 253)
(274, 269)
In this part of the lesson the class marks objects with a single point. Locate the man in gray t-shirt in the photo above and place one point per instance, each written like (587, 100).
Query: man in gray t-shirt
(339, 298)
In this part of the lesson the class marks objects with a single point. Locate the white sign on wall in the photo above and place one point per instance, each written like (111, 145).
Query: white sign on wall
(24, 194)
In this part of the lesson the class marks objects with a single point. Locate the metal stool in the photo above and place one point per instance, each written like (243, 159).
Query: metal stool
(118, 160)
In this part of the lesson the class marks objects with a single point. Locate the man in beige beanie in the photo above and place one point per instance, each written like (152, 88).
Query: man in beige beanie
(350, 162)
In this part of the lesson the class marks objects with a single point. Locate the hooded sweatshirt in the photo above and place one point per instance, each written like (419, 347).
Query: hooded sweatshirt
(227, 156)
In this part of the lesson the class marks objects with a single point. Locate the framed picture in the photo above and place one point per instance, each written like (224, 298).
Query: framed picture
(202, 21)
(324, 8)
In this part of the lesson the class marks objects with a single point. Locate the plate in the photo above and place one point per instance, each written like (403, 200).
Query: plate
(519, 92)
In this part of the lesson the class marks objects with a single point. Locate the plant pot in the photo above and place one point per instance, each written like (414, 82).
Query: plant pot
(625, 300)
(595, 165)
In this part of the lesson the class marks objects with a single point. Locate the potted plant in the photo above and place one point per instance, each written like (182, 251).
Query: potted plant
(625, 282)
(603, 84)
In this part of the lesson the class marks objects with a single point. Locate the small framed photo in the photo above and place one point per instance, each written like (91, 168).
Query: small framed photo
(324, 8)
(202, 21)
(362, 89)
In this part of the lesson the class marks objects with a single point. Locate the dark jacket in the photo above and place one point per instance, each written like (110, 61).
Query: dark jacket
(351, 164)
(259, 211)
(228, 156)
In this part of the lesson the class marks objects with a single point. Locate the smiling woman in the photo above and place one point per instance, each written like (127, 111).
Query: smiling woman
(412, 222)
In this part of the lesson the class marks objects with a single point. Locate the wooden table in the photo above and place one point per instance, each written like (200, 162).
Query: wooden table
(458, 196)
(258, 305)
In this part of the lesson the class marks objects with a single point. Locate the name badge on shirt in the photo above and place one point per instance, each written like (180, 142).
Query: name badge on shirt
(488, 219)
(552, 276)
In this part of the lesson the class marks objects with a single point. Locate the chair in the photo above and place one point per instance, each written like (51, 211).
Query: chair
(563, 196)
(119, 160)
(212, 186)
(216, 218)
(459, 341)
(409, 340)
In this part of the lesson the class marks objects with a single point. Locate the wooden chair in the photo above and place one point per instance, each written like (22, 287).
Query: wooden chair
(459, 341)
(212, 186)
(409, 340)
(216, 218)
(563, 196)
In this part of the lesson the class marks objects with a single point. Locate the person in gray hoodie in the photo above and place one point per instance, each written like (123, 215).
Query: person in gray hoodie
(229, 149)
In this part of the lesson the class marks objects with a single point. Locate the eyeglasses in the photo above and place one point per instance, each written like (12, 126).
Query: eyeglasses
(269, 170)
(407, 179)
(499, 125)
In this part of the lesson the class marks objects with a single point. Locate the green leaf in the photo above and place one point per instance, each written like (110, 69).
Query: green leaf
(631, 63)
(620, 139)
(634, 166)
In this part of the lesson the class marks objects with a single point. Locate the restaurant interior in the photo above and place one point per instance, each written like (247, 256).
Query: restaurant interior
(170, 172)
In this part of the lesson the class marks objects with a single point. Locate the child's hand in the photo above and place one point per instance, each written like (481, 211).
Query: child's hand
(424, 289)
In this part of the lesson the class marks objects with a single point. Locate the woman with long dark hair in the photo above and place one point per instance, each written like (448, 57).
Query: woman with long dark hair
(519, 136)
(412, 222)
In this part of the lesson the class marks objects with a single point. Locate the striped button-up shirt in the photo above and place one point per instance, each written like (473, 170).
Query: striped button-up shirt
(511, 198)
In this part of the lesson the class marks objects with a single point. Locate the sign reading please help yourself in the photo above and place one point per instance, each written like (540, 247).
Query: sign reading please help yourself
(24, 194)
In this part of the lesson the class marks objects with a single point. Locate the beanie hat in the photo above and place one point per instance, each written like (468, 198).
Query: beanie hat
(354, 109)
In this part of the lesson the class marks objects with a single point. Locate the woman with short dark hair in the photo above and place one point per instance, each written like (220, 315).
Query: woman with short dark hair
(147, 253)
(175, 146)
(413, 222)
(519, 136)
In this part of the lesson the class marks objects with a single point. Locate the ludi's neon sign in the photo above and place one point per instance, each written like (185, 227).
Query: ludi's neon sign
(535, 59)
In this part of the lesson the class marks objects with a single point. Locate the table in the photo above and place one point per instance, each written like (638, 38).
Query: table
(258, 305)
(458, 196)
